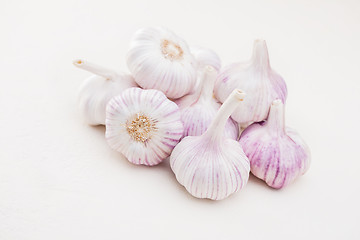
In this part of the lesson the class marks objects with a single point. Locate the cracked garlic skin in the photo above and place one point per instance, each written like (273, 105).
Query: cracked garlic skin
(199, 108)
(211, 165)
(96, 91)
(159, 59)
(256, 77)
(143, 125)
(277, 154)
(206, 57)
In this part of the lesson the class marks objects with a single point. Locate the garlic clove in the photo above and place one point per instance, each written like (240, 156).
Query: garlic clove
(159, 59)
(199, 108)
(206, 57)
(261, 83)
(211, 165)
(143, 125)
(96, 91)
(277, 154)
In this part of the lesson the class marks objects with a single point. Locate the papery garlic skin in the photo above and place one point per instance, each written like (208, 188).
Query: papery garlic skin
(199, 108)
(277, 154)
(96, 91)
(211, 165)
(143, 125)
(159, 59)
(258, 80)
(206, 57)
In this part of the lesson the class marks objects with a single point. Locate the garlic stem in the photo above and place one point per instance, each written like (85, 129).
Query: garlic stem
(95, 69)
(260, 55)
(276, 119)
(216, 128)
(207, 83)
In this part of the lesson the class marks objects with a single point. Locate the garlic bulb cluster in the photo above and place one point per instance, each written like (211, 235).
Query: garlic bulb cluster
(277, 154)
(258, 80)
(212, 166)
(159, 59)
(171, 106)
(206, 57)
(143, 125)
(96, 91)
(199, 108)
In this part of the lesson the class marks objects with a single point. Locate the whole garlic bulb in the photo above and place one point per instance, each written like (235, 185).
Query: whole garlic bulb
(206, 57)
(159, 59)
(258, 80)
(212, 166)
(199, 108)
(143, 125)
(96, 91)
(277, 154)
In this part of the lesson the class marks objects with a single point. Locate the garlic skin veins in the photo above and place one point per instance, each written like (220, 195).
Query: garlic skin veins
(256, 77)
(206, 57)
(211, 165)
(143, 125)
(277, 154)
(199, 108)
(97, 90)
(159, 59)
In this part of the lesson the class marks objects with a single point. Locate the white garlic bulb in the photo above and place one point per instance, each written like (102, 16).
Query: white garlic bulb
(258, 80)
(143, 125)
(206, 57)
(277, 154)
(159, 59)
(96, 91)
(199, 108)
(212, 166)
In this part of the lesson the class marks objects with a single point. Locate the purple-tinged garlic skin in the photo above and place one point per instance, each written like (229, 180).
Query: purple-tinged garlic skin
(206, 57)
(211, 165)
(159, 59)
(277, 154)
(256, 77)
(143, 125)
(199, 108)
(96, 91)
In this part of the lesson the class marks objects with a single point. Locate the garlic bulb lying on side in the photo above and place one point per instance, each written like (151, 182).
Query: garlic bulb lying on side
(258, 80)
(199, 108)
(143, 125)
(277, 154)
(159, 59)
(212, 166)
(206, 57)
(96, 91)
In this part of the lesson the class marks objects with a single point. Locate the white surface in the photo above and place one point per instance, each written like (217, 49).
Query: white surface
(60, 180)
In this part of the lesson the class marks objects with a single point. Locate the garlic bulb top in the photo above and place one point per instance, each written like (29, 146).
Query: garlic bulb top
(261, 83)
(206, 57)
(159, 59)
(277, 154)
(212, 166)
(96, 91)
(199, 108)
(143, 125)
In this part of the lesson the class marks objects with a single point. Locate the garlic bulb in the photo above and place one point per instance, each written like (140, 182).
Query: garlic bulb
(212, 166)
(159, 59)
(143, 125)
(96, 91)
(199, 108)
(206, 57)
(258, 80)
(277, 154)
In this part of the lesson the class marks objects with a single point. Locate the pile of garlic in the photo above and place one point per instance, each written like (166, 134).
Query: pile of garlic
(216, 124)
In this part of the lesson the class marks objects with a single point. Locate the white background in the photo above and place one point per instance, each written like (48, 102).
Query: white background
(60, 180)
